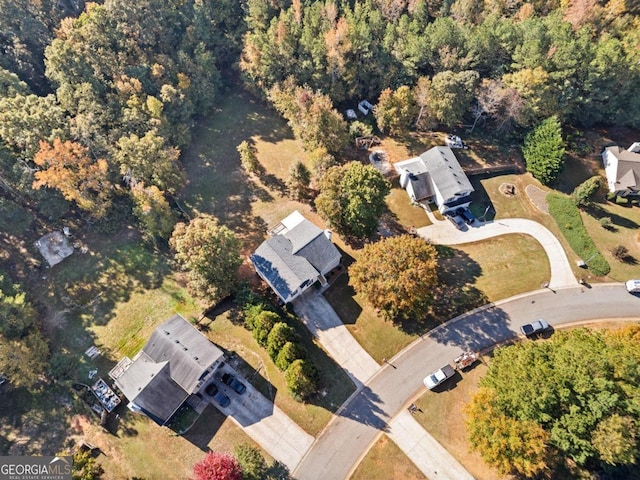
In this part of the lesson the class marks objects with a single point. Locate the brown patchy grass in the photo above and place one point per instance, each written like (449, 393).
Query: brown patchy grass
(386, 461)
(406, 213)
(443, 417)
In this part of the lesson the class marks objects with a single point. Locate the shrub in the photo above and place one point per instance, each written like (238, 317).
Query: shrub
(253, 464)
(248, 157)
(606, 222)
(280, 334)
(567, 216)
(360, 129)
(263, 324)
(289, 353)
(620, 252)
(584, 192)
(301, 377)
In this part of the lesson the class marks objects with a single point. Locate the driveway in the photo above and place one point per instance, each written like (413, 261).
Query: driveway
(324, 324)
(443, 232)
(358, 424)
(269, 426)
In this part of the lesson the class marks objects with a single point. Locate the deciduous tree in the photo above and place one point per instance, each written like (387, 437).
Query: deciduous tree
(69, 168)
(298, 181)
(351, 198)
(396, 275)
(395, 110)
(210, 254)
(217, 466)
(451, 95)
(153, 211)
(580, 387)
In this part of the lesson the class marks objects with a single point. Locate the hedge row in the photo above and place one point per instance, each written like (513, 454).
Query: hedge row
(567, 216)
(284, 348)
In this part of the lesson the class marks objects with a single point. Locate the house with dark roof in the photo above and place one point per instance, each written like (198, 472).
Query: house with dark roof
(295, 256)
(436, 176)
(172, 366)
(622, 168)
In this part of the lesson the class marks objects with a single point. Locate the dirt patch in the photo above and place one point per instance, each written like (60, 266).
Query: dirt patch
(538, 197)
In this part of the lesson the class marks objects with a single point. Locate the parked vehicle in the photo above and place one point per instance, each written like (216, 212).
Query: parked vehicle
(533, 328)
(233, 382)
(436, 378)
(633, 286)
(213, 391)
(466, 214)
(456, 220)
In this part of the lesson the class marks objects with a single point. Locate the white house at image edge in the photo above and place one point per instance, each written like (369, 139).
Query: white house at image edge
(622, 168)
(436, 176)
(297, 254)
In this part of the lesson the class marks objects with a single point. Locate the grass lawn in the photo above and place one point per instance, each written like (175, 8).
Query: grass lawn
(442, 416)
(406, 213)
(509, 265)
(386, 461)
(625, 232)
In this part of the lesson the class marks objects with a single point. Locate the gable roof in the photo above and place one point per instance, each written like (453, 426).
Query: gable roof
(297, 252)
(446, 172)
(285, 271)
(628, 172)
(168, 368)
(414, 171)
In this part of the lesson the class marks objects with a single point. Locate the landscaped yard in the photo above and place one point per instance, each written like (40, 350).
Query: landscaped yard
(386, 461)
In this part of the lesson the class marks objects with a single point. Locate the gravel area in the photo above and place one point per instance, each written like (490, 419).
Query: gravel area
(538, 197)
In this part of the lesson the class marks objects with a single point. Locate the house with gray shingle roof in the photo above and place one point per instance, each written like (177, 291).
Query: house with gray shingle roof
(436, 176)
(295, 256)
(173, 365)
(622, 168)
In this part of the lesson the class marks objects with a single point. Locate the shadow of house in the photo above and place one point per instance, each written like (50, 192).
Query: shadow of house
(297, 255)
(436, 176)
(171, 368)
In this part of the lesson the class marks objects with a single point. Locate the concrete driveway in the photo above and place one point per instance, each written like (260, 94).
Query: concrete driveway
(324, 324)
(269, 426)
(443, 232)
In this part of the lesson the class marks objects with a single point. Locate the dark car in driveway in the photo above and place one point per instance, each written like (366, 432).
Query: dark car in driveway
(533, 328)
(234, 383)
(213, 391)
(466, 214)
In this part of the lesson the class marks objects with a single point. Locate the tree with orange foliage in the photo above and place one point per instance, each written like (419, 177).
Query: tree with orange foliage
(67, 167)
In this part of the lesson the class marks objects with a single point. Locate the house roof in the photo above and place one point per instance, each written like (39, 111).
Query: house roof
(300, 251)
(168, 368)
(414, 171)
(628, 172)
(446, 172)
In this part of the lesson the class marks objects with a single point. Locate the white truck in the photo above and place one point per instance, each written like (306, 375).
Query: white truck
(436, 378)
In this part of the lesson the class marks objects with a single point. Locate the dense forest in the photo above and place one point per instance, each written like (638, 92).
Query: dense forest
(98, 100)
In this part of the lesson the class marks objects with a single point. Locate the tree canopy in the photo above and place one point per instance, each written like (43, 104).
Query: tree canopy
(574, 394)
(351, 198)
(217, 466)
(396, 275)
(543, 150)
(210, 255)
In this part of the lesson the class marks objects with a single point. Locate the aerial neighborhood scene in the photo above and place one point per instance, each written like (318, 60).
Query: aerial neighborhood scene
(337, 239)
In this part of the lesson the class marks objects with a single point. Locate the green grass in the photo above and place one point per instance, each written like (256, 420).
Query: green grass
(407, 214)
(625, 231)
(386, 461)
(569, 220)
(508, 265)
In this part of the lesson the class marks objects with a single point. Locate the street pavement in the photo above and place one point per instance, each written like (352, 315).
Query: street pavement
(445, 233)
(354, 428)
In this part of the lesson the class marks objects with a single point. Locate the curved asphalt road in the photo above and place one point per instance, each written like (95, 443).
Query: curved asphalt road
(338, 449)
